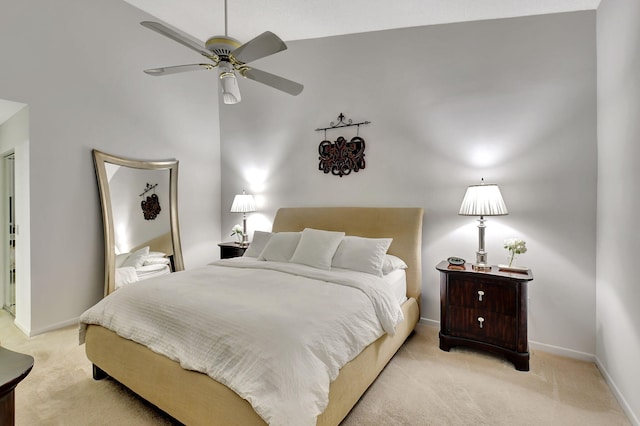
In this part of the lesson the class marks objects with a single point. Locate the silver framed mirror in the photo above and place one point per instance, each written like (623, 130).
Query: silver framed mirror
(139, 202)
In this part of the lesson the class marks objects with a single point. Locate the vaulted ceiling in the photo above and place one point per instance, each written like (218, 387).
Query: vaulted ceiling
(304, 19)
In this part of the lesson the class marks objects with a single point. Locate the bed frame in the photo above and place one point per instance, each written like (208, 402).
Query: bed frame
(194, 398)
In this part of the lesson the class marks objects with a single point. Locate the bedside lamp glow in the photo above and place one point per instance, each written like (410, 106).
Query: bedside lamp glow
(243, 203)
(482, 200)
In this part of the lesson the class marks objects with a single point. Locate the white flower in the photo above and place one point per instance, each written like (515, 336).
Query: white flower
(515, 245)
(237, 230)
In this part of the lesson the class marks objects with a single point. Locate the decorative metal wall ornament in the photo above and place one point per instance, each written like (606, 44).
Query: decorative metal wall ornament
(342, 157)
(151, 206)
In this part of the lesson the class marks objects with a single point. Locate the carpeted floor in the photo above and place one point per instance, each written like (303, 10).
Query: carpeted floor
(422, 385)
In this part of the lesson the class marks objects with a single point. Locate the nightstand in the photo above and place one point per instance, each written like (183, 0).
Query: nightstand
(485, 311)
(228, 250)
(14, 367)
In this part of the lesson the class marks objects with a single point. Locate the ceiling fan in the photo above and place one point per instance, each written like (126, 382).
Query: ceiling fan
(229, 56)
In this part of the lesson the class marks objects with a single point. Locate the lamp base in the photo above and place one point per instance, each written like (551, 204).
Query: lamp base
(245, 238)
(481, 257)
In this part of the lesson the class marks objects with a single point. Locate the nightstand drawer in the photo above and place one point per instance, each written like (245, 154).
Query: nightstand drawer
(491, 327)
(481, 294)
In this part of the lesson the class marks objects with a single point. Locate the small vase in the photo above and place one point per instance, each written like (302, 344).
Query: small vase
(512, 257)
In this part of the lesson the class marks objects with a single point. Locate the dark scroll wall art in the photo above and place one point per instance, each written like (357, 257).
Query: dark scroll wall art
(151, 206)
(341, 157)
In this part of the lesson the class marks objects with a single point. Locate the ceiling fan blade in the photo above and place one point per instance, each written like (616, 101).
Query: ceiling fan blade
(174, 35)
(178, 69)
(280, 83)
(263, 45)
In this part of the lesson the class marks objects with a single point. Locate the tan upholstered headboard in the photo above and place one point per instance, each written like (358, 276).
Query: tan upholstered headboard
(404, 225)
(163, 243)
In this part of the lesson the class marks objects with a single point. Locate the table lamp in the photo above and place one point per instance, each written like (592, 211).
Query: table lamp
(482, 200)
(243, 203)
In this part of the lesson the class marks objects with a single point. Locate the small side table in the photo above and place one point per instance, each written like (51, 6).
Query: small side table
(229, 250)
(485, 311)
(14, 367)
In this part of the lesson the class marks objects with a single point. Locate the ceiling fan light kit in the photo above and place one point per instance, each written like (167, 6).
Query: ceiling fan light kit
(229, 55)
(229, 85)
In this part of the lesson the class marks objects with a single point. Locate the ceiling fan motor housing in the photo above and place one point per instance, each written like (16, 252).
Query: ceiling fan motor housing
(222, 45)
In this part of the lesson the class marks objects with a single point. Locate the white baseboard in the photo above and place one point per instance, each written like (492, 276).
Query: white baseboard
(21, 327)
(430, 322)
(558, 350)
(31, 333)
(633, 418)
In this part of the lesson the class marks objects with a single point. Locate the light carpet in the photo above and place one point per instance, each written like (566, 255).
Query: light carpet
(422, 385)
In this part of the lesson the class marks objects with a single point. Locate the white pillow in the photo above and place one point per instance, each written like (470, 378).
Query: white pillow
(361, 254)
(392, 263)
(316, 248)
(156, 261)
(260, 239)
(280, 246)
(156, 254)
(120, 258)
(137, 258)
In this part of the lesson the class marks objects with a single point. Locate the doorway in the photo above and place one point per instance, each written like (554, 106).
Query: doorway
(9, 243)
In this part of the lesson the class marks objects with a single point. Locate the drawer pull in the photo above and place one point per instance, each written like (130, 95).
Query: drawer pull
(480, 321)
(480, 294)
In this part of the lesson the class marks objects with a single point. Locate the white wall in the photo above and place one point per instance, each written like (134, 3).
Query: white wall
(618, 292)
(510, 100)
(78, 66)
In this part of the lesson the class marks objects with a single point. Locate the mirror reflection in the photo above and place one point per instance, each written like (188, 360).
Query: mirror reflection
(139, 207)
(130, 188)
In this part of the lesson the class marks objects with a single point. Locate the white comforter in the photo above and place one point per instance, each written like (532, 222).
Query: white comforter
(276, 333)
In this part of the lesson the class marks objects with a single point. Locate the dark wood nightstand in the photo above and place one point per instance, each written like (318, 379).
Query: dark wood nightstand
(14, 367)
(486, 311)
(229, 250)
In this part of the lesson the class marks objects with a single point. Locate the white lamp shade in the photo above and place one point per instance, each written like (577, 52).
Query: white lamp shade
(243, 203)
(483, 200)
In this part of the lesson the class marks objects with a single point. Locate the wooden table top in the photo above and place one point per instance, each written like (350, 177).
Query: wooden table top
(14, 367)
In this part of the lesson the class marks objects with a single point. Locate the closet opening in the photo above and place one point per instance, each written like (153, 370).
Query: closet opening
(9, 240)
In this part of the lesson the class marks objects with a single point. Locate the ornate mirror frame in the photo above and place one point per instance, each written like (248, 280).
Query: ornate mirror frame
(100, 160)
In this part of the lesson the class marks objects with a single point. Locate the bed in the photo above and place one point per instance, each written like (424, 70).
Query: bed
(195, 398)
